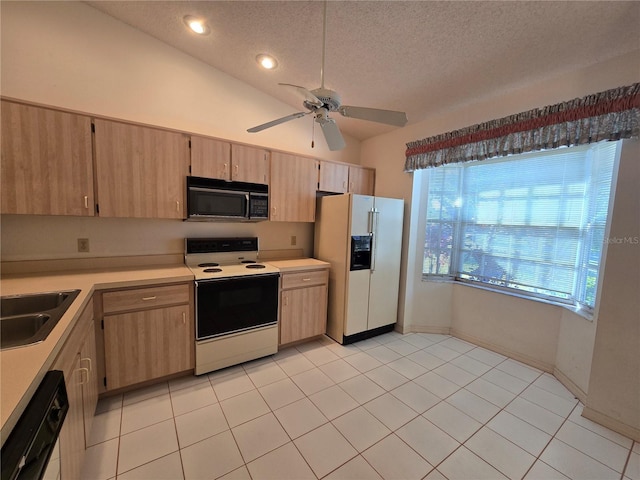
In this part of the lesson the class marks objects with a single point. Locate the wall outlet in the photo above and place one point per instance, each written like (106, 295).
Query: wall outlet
(83, 245)
(294, 240)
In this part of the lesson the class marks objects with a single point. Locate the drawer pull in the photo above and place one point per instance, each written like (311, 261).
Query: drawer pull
(86, 370)
(146, 299)
(86, 201)
(306, 279)
(87, 359)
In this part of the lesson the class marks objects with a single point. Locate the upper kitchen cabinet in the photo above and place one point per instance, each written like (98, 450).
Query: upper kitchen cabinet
(249, 164)
(46, 162)
(292, 192)
(140, 171)
(361, 180)
(333, 177)
(212, 158)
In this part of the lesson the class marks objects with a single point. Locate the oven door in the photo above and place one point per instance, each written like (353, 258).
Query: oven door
(235, 304)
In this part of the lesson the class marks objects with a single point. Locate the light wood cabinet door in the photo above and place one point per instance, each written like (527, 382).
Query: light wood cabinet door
(210, 158)
(303, 313)
(147, 344)
(46, 165)
(292, 191)
(361, 180)
(333, 177)
(72, 444)
(141, 171)
(303, 305)
(88, 361)
(249, 164)
(80, 376)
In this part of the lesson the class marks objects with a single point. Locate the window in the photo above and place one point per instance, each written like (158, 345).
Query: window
(531, 223)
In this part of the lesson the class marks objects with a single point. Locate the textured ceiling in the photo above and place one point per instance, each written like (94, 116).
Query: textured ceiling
(417, 56)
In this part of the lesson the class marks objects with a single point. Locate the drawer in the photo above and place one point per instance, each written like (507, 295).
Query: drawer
(305, 279)
(144, 298)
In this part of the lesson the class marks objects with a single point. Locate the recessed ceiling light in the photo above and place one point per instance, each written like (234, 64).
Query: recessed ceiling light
(267, 61)
(196, 25)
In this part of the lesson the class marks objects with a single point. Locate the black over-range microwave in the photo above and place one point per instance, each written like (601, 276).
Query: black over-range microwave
(210, 200)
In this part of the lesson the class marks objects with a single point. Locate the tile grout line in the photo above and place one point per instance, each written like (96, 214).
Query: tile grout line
(385, 391)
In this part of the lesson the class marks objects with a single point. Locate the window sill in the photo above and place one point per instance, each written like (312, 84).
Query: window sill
(581, 312)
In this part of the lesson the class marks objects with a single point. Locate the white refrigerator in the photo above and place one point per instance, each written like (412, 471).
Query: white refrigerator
(361, 236)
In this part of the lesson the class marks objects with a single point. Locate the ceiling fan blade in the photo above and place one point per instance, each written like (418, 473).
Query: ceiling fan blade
(278, 121)
(332, 134)
(390, 117)
(309, 97)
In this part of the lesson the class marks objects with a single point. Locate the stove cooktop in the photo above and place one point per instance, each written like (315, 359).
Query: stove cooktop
(211, 258)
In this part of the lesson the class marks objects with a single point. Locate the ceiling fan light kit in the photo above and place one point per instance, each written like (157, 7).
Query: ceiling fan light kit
(321, 101)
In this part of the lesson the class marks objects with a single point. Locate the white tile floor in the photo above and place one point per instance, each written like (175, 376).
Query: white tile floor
(417, 406)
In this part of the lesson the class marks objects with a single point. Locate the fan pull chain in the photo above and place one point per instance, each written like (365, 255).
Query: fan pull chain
(313, 133)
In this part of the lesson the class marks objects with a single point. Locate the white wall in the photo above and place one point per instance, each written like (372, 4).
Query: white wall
(69, 55)
(614, 382)
(564, 341)
(27, 237)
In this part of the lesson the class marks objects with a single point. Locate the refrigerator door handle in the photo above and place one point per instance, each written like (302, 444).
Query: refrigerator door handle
(375, 217)
(370, 222)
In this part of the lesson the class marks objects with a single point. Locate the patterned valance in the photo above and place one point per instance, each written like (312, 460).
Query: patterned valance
(609, 115)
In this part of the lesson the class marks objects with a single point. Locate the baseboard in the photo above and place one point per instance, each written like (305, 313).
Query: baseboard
(570, 385)
(532, 362)
(611, 423)
(426, 329)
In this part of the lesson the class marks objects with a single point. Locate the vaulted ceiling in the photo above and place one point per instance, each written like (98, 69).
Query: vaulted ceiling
(415, 56)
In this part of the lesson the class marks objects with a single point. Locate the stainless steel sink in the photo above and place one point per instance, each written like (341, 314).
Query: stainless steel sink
(30, 318)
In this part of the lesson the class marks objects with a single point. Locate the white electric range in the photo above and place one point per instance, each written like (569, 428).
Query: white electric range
(236, 302)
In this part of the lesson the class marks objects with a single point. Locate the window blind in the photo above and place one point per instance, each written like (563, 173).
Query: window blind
(533, 223)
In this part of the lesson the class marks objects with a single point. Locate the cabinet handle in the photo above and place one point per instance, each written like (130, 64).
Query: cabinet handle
(351, 186)
(87, 359)
(86, 201)
(236, 168)
(224, 172)
(285, 300)
(148, 298)
(86, 370)
(344, 185)
(306, 279)
(177, 205)
(273, 211)
(184, 318)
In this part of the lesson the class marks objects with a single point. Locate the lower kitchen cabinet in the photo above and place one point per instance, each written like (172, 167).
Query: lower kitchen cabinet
(303, 305)
(148, 334)
(77, 360)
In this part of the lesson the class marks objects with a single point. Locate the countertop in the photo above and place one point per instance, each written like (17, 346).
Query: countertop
(299, 264)
(22, 369)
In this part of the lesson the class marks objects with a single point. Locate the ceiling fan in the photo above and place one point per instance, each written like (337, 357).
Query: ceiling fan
(321, 101)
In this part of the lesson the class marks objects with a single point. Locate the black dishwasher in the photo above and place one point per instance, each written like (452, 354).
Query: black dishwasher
(26, 453)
